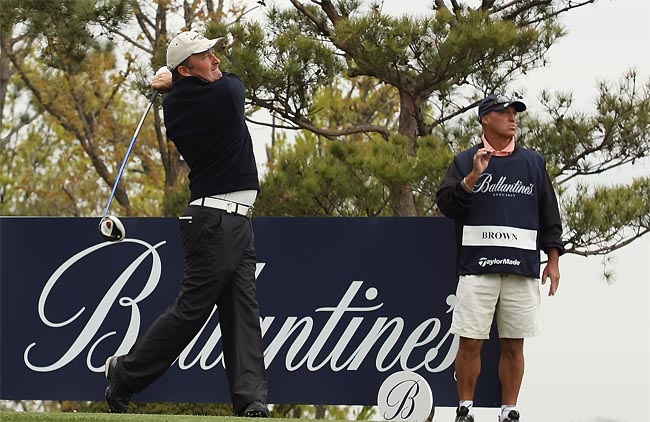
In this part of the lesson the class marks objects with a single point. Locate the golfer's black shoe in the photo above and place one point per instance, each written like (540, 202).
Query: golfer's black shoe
(118, 395)
(513, 416)
(462, 415)
(256, 409)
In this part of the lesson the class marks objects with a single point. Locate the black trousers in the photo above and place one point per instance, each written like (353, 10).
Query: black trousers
(219, 269)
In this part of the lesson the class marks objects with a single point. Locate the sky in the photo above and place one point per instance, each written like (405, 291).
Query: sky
(592, 362)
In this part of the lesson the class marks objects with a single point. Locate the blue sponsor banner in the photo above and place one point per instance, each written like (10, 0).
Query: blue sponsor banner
(345, 302)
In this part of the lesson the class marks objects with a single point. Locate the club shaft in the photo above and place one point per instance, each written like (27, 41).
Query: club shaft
(128, 152)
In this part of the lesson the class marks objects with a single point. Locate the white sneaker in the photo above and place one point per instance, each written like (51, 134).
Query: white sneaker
(462, 415)
(513, 416)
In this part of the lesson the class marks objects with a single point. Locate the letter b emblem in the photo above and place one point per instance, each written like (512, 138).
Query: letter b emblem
(405, 396)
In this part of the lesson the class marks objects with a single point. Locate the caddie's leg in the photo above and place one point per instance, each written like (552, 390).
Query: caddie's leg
(468, 367)
(476, 298)
(511, 369)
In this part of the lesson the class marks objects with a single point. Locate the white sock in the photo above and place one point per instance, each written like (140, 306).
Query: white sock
(505, 409)
(467, 403)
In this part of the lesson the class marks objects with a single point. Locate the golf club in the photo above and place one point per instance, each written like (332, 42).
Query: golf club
(110, 227)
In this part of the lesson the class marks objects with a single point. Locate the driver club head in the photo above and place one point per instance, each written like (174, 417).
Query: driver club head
(112, 229)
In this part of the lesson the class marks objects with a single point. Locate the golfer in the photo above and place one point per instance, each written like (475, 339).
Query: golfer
(204, 117)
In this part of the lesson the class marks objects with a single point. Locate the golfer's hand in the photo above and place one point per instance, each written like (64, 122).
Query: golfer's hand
(162, 81)
(552, 272)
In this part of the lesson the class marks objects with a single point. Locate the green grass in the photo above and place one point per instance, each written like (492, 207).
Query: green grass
(6, 416)
(107, 417)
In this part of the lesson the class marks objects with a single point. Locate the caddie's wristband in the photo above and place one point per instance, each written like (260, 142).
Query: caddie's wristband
(466, 186)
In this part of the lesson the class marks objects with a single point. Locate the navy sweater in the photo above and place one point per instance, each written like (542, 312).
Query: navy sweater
(511, 214)
(206, 122)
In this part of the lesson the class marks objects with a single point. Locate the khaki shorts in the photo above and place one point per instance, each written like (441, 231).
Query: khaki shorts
(515, 299)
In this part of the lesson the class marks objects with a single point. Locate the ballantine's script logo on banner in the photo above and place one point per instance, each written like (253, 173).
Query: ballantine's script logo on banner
(436, 347)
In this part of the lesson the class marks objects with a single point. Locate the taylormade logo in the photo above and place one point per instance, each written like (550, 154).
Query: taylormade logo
(502, 187)
(484, 262)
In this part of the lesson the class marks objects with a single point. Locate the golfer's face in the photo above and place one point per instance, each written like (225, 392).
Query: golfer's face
(205, 66)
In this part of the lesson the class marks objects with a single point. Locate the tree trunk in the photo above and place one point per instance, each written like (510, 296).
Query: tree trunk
(402, 200)
(319, 411)
(5, 68)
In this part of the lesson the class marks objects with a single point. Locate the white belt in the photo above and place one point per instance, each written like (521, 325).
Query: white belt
(222, 204)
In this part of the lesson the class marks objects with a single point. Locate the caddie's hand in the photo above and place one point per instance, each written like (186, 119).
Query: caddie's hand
(551, 271)
(481, 160)
(162, 80)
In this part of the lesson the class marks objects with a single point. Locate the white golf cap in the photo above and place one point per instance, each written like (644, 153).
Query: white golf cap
(185, 44)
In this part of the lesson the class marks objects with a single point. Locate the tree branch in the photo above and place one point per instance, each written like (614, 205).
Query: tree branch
(451, 116)
(132, 41)
(545, 17)
(39, 99)
(598, 170)
(504, 6)
(24, 122)
(440, 5)
(610, 248)
(71, 197)
(84, 139)
(330, 11)
(455, 6)
(320, 24)
(486, 4)
(144, 22)
(525, 7)
(115, 89)
(272, 125)
(304, 123)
